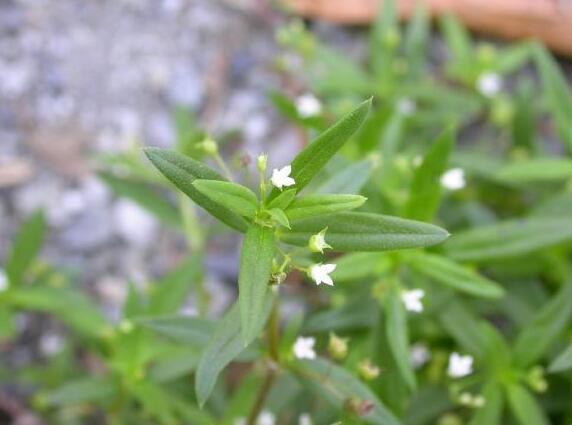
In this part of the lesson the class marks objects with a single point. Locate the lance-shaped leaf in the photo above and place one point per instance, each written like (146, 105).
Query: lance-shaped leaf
(398, 337)
(283, 200)
(84, 390)
(145, 195)
(313, 158)
(509, 239)
(449, 273)
(563, 362)
(254, 276)
(225, 345)
(354, 231)
(339, 386)
(524, 406)
(425, 191)
(235, 197)
(25, 247)
(182, 171)
(536, 170)
(491, 412)
(545, 329)
(193, 331)
(316, 205)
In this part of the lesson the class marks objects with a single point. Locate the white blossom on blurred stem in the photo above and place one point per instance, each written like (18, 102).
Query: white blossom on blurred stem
(406, 106)
(304, 347)
(419, 355)
(459, 366)
(489, 84)
(453, 179)
(281, 178)
(320, 273)
(305, 419)
(3, 280)
(412, 300)
(266, 418)
(308, 105)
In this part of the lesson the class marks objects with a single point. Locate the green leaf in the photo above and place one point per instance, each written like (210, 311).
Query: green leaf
(182, 171)
(193, 331)
(350, 179)
(283, 200)
(360, 265)
(234, 197)
(449, 273)
(508, 239)
(143, 194)
(524, 406)
(254, 277)
(315, 156)
(459, 43)
(169, 293)
(416, 39)
(319, 205)
(545, 329)
(280, 217)
(353, 231)
(337, 385)
(563, 362)
(69, 305)
(425, 191)
(225, 345)
(556, 91)
(359, 312)
(463, 326)
(25, 248)
(398, 336)
(536, 170)
(84, 390)
(491, 412)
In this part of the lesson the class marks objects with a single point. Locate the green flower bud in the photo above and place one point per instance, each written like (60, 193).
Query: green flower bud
(209, 146)
(367, 370)
(337, 347)
(317, 242)
(261, 162)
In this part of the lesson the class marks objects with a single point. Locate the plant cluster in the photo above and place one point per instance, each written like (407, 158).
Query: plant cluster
(403, 325)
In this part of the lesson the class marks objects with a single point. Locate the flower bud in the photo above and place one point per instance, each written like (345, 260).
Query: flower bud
(261, 162)
(209, 146)
(536, 380)
(317, 242)
(337, 347)
(367, 370)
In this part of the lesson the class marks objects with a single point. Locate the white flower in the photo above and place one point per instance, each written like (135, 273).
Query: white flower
(419, 355)
(412, 300)
(489, 84)
(308, 105)
(51, 344)
(304, 347)
(305, 419)
(318, 243)
(3, 281)
(321, 273)
(281, 178)
(239, 421)
(459, 365)
(266, 418)
(453, 179)
(406, 106)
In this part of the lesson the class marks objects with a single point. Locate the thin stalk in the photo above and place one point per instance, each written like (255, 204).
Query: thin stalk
(222, 164)
(274, 350)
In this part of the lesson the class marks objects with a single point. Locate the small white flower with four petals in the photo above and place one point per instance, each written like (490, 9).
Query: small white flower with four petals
(308, 106)
(304, 347)
(281, 178)
(453, 179)
(320, 273)
(459, 366)
(412, 300)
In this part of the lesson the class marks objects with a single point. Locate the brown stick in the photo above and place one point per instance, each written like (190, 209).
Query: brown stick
(547, 20)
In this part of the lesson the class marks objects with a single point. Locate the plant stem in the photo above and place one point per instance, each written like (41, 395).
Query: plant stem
(220, 162)
(274, 349)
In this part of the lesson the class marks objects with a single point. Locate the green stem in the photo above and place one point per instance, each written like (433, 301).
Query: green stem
(274, 349)
(220, 162)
